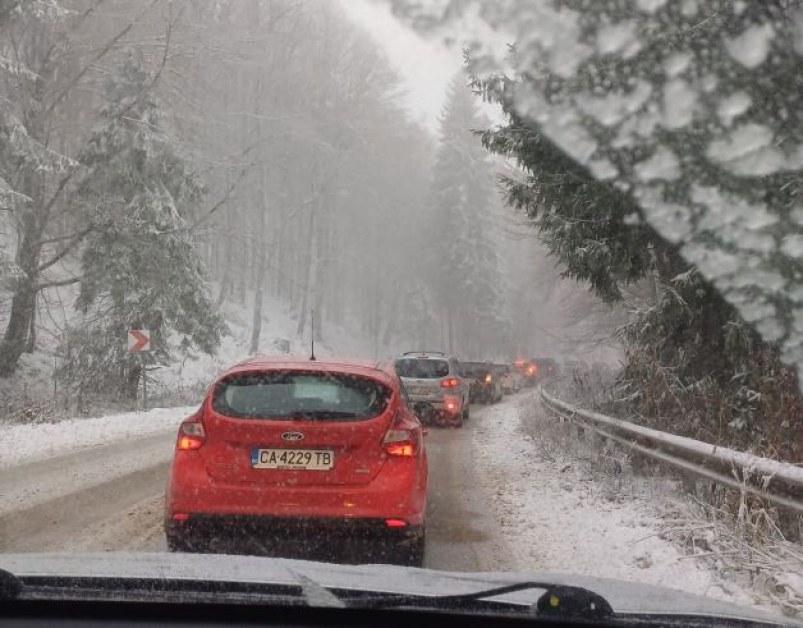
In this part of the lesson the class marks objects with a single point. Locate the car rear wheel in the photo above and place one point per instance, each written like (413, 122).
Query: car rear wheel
(412, 555)
(177, 543)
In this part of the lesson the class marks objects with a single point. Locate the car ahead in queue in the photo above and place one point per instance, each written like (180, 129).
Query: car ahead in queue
(294, 450)
(510, 378)
(546, 367)
(436, 391)
(529, 372)
(485, 383)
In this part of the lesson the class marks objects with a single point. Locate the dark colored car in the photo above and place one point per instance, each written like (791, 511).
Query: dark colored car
(484, 379)
(546, 367)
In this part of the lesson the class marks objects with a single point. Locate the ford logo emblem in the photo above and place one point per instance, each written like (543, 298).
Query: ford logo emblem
(292, 436)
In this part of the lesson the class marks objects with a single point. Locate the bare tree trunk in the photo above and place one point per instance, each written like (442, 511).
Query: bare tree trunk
(132, 382)
(395, 307)
(319, 275)
(225, 288)
(30, 344)
(310, 269)
(242, 275)
(256, 321)
(23, 303)
(225, 284)
(256, 326)
(451, 331)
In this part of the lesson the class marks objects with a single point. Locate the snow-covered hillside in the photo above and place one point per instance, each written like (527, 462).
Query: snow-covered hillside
(33, 393)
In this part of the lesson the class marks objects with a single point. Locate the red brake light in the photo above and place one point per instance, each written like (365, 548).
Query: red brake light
(395, 523)
(191, 436)
(406, 449)
(401, 439)
(451, 382)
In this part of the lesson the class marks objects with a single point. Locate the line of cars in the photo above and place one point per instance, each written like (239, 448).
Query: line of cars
(441, 388)
(287, 450)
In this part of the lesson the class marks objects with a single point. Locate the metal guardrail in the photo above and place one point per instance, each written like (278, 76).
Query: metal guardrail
(779, 482)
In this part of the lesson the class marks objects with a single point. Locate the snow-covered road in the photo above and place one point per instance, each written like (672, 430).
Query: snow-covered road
(498, 502)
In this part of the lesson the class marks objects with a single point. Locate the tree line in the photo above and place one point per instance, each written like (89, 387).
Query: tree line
(658, 148)
(158, 163)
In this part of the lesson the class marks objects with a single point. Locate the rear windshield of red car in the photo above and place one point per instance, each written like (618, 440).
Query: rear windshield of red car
(282, 395)
(422, 368)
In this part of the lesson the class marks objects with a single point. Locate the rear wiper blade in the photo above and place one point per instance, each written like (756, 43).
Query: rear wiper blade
(312, 415)
(559, 601)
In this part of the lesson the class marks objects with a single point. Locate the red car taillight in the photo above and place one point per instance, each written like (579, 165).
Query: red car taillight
(191, 436)
(451, 382)
(395, 523)
(401, 439)
(452, 403)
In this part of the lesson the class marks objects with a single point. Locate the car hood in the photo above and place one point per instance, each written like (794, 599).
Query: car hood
(624, 597)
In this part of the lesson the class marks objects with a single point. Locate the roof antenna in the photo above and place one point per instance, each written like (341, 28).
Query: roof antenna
(312, 333)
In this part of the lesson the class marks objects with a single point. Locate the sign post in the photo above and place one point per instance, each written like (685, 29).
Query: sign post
(139, 341)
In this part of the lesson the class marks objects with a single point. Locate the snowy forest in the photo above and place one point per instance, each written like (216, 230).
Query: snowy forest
(243, 178)
(162, 167)
(659, 150)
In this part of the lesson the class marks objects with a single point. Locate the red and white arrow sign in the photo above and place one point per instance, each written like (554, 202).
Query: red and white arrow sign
(139, 340)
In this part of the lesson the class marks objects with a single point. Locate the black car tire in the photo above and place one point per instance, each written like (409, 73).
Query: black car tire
(414, 553)
(177, 544)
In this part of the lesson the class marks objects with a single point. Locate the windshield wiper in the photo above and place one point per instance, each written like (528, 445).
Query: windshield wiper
(316, 594)
(559, 601)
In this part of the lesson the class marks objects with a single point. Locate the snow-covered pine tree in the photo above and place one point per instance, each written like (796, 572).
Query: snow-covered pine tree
(139, 266)
(657, 124)
(466, 266)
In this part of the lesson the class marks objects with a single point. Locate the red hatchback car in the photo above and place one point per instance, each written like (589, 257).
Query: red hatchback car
(291, 449)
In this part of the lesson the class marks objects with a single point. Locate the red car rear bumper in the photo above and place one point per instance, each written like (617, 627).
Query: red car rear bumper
(396, 492)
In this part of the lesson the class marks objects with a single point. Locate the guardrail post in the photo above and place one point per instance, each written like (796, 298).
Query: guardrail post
(688, 481)
(790, 523)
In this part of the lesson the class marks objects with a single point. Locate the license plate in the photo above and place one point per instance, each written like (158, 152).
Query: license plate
(293, 459)
(420, 391)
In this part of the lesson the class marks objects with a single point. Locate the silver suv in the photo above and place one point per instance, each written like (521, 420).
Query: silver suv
(434, 387)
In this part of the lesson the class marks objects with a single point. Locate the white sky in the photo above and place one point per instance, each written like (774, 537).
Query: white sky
(426, 66)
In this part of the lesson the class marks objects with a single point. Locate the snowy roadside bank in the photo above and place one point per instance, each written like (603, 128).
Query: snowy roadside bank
(21, 444)
(560, 518)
